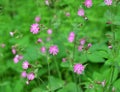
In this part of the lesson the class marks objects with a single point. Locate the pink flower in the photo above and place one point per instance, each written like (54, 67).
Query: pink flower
(78, 68)
(39, 40)
(16, 60)
(63, 59)
(49, 31)
(43, 49)
(13, 50)
(71, 37)
(108, 2)
(25, 65)
(24, 74)
(67, 14)
(30, 76)
(37, 18)
(81, 12)
(47, 2)
(2, 45)
(34, 28)
(80, 48)
(110, 47)
(82, 41)
(53, 50)
(88, 3)
(89, 45)
(20, 57)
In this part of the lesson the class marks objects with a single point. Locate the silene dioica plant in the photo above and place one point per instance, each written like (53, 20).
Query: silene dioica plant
(71, 74)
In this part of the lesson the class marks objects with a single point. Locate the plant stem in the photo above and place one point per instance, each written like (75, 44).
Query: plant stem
(58, 70)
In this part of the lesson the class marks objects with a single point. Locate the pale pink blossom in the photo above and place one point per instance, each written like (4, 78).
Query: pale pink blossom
(34, 28)
(39, 40)
(13, 50)
(25, 65)
(71, 37)
(88, 3)
(24, 74)
(37, 18)
(49, 31)
(53, 50)
(78, 68)
(108, 2)
(82, 41)
(63, 59)
(30, 76)
(89, 45)
(81, 12)
(80, 48)
(67, 14)
(43, 49)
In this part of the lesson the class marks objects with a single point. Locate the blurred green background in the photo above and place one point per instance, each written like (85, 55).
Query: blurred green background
(17, 16)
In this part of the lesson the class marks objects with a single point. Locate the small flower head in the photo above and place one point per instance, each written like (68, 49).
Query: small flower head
(34, 28)
(39, 40)
(53, 50)
(25, 65)
(16, 60)
(110, 47)
(80, 48)
(49, 31)
(24, 74)
(67, 14)
(108, 2)
(82, 41)
(13, 50)
(63, 59)
(48, 39)
(71, 37)
(88, 3)
(81, 12)
(27, 82)
(47, 2)
(78, 68)
(30, 76)
(37, 18)
(89, 45)
(2, 45)
(43, 49)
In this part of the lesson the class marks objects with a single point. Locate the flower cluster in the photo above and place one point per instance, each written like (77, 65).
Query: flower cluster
(30, 76)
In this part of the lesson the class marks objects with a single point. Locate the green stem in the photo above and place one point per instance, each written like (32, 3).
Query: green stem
(58, 70)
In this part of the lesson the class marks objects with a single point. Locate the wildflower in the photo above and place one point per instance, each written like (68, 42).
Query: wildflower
(89, 45)
(78, 68)
(34, 28)
(43, 49)
(2, 45)
(15, 59)
(24, 74)
(63, 59)
(88, 3)
(47, 2)
(80, 48)
(30, 76)
(71, 37)
(25, 65)
(49, 31)
(108, 2)
(82, 41)
(53, 50)
(81, 12)
(39, 40)
(13, 50)
(67, 14)
(110, 47)
(37, 18)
